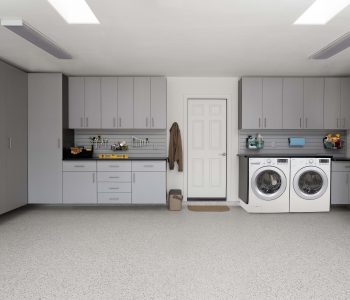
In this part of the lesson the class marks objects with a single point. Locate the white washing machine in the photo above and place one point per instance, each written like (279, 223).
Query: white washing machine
(268, 190)
(310, 184)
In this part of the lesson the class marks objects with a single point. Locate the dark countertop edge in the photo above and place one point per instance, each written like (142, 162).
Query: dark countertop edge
(119, 159)
(287, 155)
(341, 158)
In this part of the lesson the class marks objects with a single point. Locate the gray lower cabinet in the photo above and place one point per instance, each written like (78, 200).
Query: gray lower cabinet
(13, 138)
(313, 103)
(340, 177)
(148, 182)
(114, 182)
(79, 182)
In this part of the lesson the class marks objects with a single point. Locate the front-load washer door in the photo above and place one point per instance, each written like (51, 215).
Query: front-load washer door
(268, 183)
(310, 183)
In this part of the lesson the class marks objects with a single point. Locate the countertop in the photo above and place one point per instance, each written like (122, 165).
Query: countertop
(285, 155)
(121, 159)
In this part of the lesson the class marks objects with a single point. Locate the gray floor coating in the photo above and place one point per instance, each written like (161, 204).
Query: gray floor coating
(151, 253)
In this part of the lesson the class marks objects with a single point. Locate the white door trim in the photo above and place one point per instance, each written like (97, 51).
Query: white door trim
(229, 140)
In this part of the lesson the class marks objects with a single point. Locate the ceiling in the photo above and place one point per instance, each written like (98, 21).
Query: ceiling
(178, 38)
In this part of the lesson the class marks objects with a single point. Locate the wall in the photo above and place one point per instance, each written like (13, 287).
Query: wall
(181, 88)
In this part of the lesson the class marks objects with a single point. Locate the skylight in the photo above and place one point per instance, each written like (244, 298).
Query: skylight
(321, 12)
(75, 11)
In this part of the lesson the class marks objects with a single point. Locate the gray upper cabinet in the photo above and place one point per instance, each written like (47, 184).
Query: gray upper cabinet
(272, 103)
(158, 102)
(332, 103)
(109, 102)
(313, 103)
(76, 102)
(345, 103)
(251, 103)
(142, 102)
(92, 102)
(293, 102)
(117, 102)
(125, 102)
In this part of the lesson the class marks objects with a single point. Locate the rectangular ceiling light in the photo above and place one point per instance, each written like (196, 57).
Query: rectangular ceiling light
(75, 11)
(27, 32)
(333, 48)
(321, 11)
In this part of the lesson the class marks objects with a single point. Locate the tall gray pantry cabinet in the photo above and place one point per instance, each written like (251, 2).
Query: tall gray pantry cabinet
(13, 141)
(47, 115)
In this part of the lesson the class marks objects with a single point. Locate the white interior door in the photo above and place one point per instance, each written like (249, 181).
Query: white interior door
(206, 148)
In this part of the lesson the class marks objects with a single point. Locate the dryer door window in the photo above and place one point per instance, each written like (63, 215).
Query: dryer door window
(268, 183)
(310, 183)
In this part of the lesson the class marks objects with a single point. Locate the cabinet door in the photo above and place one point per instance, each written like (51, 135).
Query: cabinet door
(313, 103)
(125, 102)
(76, 102)
(17, 132)
(3, 139)
(142, 102)
(332, 103)
(251, 103)
(272, 103)
(79, 187)
(340, 188)
(148, 188)
(345, 103)
(109, 102)
(158, 102)
(45, 138)
(293, 102)
(92, 102)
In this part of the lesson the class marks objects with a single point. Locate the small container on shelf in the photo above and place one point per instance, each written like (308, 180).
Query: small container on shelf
(255, 143)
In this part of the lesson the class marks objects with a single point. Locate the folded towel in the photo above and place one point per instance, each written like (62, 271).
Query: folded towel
(296, 142)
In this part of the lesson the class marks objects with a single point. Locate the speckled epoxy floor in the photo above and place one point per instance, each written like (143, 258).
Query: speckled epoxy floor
(151, 253)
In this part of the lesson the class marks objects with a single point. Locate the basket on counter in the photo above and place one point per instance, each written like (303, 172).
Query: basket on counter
(78, 152)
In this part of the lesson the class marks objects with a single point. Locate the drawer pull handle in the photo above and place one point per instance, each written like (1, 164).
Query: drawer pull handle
(113, 198)
(113, 166)
(115, 188)
(148, 166)
(347, 167)
(79, 166)
(113, 177)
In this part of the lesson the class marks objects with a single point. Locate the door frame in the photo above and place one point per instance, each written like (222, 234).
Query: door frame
(229, 140)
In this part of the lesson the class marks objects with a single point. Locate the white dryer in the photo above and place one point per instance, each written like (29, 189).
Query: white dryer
(268, 190)
(310, 184)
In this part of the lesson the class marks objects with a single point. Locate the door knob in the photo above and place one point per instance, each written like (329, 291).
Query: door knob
(223, 154)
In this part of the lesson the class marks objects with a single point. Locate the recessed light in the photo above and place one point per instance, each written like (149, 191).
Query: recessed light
(34, 36)
(75, 11)
(321, 11)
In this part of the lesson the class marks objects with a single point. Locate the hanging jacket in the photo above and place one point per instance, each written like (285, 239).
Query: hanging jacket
(175, 148)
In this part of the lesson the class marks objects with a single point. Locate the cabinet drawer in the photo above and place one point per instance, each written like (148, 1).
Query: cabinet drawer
(79, 166)
(113, 166)
(114, 176)
(149, 166)
(114, 198)
(338, 166)
(114, 187)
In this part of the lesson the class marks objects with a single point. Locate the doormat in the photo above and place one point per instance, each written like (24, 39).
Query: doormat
(208, 208)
